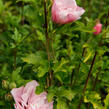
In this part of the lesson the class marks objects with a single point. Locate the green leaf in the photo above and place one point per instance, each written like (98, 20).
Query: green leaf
(39, 89)
(1, 6)
(61, 104)
(93, 98)
(42, 70)
(15, 74)
(2, 103)
(59, 78)
(50, 96)
(17, 37)
(36, 58)
(41, 36)
(88, 56)
(32, 59)
(106, 101)
(26, 1)
(67, 93)
(59, 66)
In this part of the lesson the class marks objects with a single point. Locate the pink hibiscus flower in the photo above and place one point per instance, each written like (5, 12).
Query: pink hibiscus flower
(26, 98)
(66, 11)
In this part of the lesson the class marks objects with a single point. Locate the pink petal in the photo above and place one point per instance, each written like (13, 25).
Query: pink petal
(18, 106)
(66, 11)
(39, 99)
(80, 10)
(47, 106)
(28, 85)
(26, 98)
(16, 93)
(66, 3)
(29, 90)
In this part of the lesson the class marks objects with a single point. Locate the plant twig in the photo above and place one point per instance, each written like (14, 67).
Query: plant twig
(94, 85)
(88, 77)
(46, 31)
(15, 56)
(72, 75)
(107, 21)
(47, 42)
(96, 80)
(22, 14)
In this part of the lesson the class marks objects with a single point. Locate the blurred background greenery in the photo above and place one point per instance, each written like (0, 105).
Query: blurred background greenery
(23, 55)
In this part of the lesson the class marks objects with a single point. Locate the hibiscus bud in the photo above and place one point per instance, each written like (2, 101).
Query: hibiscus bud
(66, 11)
(5, 84)
(12, 85)
(8, 97)
(98, 28)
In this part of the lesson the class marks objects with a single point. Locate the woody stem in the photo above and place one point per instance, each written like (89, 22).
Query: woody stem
(49, 78)
(88, 77)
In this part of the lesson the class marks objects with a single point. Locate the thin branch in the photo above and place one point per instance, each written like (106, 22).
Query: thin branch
(88, 77)
(22, 14)
(47, 43)
(15, 57)
(94, 85)
(72, 75)
(46, 31)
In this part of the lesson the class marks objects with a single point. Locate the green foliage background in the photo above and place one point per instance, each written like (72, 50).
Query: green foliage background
(23, 55)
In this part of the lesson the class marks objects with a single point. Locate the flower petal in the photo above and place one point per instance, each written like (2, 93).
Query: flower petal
(66, 11)
(16, 93)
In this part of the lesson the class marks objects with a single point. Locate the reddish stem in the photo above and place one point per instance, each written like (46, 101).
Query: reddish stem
(88, 77)
(49, 79)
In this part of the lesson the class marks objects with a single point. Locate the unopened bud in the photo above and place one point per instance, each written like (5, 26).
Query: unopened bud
(8, 97)
(98, 27)
(12, 85)
(5, 84)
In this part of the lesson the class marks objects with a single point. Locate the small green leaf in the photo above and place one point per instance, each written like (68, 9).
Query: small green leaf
(39, 89)
(61, 104)
(42, 70)
(50, 96)
(67, 93)
(32, 59)
(88, 56)
(15, 74)
(59, 66)
(93, 98)
(106, 101)
(1, 6)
